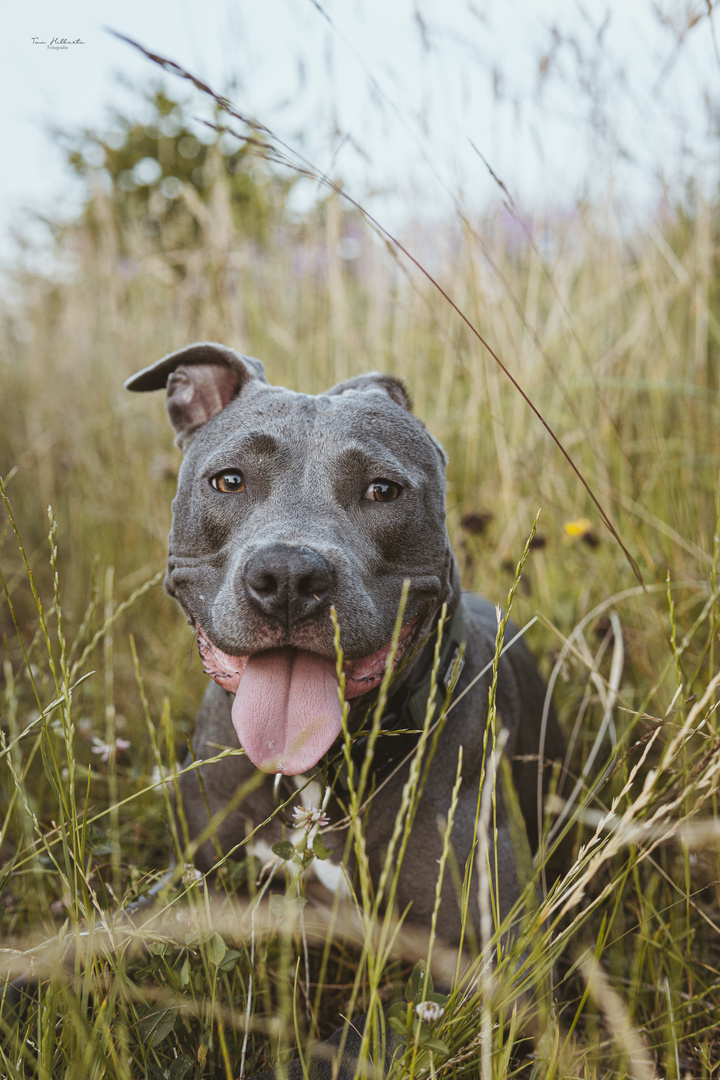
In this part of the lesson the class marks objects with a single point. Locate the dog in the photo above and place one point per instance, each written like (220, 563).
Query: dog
(292, 508)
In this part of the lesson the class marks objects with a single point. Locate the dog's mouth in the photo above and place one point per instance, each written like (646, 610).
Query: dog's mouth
(287, 711)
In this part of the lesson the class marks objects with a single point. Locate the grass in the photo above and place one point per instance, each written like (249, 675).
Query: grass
(614, 336)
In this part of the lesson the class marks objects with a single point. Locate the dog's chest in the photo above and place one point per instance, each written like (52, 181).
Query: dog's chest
(329, 871)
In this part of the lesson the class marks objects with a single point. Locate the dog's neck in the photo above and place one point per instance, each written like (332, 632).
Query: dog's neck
(405, 712)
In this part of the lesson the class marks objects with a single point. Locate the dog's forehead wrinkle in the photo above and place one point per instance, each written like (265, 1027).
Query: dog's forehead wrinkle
(331, 450)
(324, 431)
(373, 457)
(349, 412)
(261, 442)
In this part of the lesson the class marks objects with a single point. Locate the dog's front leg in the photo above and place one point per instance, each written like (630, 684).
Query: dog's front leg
(229, 792)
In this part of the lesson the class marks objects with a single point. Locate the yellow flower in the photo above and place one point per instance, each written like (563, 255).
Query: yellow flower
(577, 528)
(581, 530)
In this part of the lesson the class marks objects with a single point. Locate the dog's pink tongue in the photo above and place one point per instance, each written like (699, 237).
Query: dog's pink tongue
(286, 711)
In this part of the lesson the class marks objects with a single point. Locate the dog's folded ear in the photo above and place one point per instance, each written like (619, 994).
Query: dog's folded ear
(375, 381)
(201, 380)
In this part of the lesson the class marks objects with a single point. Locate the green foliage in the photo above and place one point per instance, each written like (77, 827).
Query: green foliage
(169, 176)
(284, 850)
(416, 1024)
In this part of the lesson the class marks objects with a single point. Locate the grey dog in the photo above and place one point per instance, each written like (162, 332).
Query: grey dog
(290, 505)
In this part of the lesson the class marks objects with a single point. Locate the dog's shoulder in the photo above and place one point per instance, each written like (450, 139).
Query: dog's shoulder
(521, 690)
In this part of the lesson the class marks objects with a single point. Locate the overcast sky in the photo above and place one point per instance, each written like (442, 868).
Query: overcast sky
(556, 95)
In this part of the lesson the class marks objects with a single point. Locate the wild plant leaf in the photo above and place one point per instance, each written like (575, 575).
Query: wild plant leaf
(319, 849)
(284, 850)
(420, 983)
(397, 1009)
(398, 1024)
(156, 1026)
(240, 872)
(277, 906)
(181, 1068)
(159, 948)
(217, 949)
(229, 960)
(436, 1046)
(197, 938)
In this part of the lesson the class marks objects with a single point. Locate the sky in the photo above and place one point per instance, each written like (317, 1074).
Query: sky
(411, 103)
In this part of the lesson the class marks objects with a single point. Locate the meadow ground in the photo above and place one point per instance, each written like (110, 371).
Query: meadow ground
(613, 333)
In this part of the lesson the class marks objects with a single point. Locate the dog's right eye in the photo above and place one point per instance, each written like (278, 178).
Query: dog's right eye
(229, 482)
(382, 491)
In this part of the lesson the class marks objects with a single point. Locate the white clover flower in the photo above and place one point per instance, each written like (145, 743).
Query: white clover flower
(191, 875)
(305, 817)
(429, 1011)
(105, 749)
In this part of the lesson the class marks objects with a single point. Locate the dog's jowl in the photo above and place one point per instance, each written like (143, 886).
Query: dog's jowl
(289, 507)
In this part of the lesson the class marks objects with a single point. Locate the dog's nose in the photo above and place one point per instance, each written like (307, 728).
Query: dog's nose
(288, 583)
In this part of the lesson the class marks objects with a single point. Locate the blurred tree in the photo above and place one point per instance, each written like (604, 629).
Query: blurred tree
(161, 174)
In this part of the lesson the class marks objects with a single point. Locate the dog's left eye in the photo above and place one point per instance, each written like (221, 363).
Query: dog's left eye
(382, 491)
(229, 482)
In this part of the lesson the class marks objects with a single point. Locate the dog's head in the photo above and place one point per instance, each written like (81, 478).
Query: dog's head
(289, 505)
